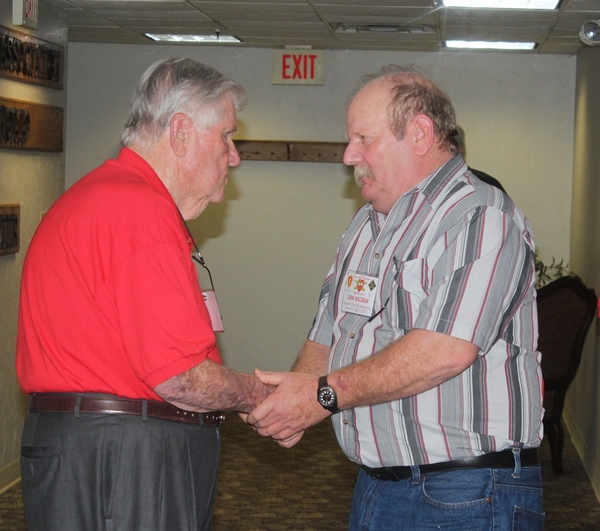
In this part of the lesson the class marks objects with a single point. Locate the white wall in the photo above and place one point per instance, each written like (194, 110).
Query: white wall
(270, 244)
(582, 413)
(34, 180)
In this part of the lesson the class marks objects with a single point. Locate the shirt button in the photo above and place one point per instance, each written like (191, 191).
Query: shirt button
(351, 335)
(346, 421)
(377, 255)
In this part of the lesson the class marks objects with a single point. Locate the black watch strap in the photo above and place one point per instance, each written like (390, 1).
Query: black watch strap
(326, 395)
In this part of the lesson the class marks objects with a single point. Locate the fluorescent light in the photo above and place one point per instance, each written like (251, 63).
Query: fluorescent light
(214, 39)
(504, 4)
(491, 45)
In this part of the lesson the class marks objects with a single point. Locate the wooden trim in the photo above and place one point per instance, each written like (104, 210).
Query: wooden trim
(290, 151)
(31, 126)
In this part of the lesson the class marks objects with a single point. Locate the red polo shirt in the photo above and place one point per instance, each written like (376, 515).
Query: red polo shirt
(110, 301)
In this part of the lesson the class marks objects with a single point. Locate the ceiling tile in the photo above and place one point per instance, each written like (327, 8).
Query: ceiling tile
(277, 23)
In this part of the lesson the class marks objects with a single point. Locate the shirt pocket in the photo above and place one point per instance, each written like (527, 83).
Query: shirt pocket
(412, 276)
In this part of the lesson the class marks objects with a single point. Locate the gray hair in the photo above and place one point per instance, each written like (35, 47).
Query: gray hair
(177, 85)
(412, 93)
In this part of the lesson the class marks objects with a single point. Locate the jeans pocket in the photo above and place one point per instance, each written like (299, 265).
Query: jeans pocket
(458, 488)
(527, 520)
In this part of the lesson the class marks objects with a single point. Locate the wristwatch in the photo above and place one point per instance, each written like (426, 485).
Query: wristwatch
(326, 395)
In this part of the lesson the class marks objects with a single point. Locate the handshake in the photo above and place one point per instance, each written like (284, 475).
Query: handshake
(290, 406)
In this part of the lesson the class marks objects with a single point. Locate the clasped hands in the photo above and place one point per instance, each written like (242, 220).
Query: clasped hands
(289, 409)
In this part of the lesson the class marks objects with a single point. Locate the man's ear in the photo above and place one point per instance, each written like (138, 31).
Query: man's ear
(422, 134)
(179, 130)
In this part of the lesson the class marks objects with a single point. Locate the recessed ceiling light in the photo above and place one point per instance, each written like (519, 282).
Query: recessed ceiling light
(213, 39)
(382, 28)
(491, 45)
(504, 4)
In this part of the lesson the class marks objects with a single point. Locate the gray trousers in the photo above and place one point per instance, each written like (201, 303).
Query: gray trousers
(117, 473)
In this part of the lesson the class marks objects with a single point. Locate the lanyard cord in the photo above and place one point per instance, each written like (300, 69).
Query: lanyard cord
(198, 257)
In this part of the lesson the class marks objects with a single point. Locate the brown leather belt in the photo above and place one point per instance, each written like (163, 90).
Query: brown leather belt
(503, 459)
(114, 405)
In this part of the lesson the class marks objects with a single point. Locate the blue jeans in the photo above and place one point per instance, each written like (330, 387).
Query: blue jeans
(483, 499)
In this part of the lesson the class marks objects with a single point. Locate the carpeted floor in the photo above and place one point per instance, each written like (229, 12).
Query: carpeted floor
(263, 487)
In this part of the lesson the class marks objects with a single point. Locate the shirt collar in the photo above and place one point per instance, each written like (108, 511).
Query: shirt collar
(434, 188)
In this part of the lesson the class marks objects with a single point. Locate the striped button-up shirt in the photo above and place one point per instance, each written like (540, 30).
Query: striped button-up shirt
(454, 256)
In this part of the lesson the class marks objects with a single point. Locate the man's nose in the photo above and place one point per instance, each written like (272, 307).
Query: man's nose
(351, 155)
(234, 156)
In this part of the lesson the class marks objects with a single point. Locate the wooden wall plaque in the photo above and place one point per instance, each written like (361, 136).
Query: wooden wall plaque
(274, 150)
(10, 216)
(32, 60)
(31, 126)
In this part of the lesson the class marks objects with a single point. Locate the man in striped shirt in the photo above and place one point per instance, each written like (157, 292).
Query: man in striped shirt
(424, 345)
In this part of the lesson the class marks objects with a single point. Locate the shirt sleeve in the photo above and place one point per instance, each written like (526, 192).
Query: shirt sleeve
(322, 328)
(165, 324)
(481, 270)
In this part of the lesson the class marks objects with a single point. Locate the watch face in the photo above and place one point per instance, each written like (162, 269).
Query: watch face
(327, 396)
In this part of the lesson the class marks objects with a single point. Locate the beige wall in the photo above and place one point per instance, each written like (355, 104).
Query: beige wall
(34, 180)
(271, 242)
(582, 411)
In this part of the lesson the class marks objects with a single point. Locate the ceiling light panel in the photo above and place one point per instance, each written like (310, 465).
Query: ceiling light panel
(382, 28)
(210, 39)
(504, 4)
(490, 45)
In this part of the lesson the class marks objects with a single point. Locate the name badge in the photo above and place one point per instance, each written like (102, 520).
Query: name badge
(213, 310)
(358, 294)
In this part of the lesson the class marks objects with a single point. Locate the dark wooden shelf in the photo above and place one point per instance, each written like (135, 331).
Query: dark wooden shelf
(280, 150)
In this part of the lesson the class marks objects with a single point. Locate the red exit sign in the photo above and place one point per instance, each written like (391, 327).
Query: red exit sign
(25, 13)
(298, 67)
